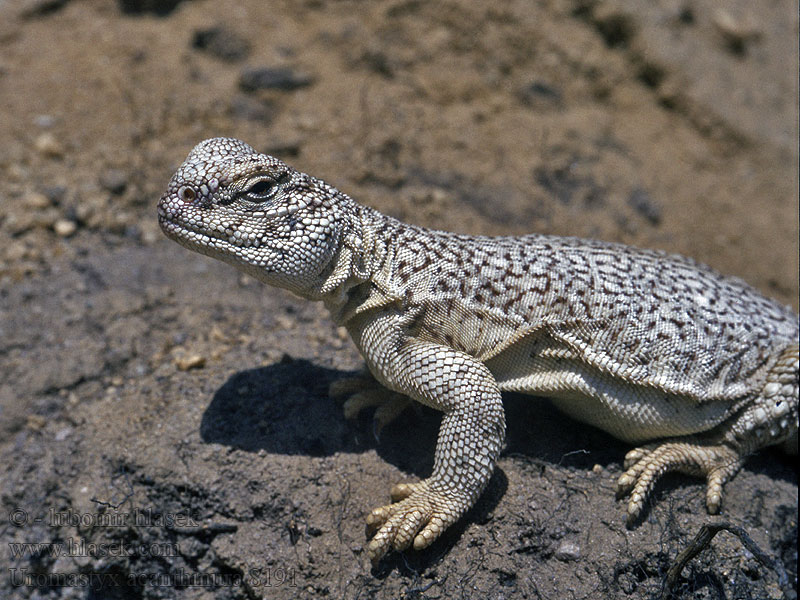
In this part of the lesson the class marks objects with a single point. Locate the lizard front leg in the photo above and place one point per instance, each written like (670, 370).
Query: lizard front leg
(471, 436)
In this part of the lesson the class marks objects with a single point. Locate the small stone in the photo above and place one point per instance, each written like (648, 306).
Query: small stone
(20, 222)
(273, 78)
(92, 210)
(63, 434)
(250, 109)
(736, 34)
(65, 228)
(55, 193)
(193, 361)
(44, 121)
(15, 251)
(568, 551)
(48, 145)
(36, 422)
(641, 201)
(540, 94)
(597, 469)
(114, 180)
(221, 43)
(36, 200)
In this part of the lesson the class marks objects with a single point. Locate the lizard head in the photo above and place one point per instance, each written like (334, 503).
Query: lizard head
(254, 211)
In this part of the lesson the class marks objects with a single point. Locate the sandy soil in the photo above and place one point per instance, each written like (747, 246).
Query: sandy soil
(166, 423)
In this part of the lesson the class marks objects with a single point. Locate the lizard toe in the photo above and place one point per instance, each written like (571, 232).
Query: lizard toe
(432, 530)
(637, 454)
(420, 517)
(716, 478)
(353, 406)
(347, 386)
(363, 391)
(401, 491)
(397, 525)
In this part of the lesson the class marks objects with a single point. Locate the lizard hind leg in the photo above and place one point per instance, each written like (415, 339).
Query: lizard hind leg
(767, 419)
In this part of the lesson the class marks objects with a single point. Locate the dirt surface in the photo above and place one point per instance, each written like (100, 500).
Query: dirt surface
(165, 424)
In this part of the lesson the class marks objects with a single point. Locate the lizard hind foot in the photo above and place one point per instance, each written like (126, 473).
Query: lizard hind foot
(646, 465)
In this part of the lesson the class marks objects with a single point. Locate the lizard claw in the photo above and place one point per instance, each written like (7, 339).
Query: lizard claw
(646, 465)
(420, 516)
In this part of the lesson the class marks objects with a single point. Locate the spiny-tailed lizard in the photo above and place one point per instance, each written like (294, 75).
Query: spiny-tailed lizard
(653, 348)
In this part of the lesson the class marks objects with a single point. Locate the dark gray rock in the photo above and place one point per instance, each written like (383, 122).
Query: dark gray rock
(273, 78)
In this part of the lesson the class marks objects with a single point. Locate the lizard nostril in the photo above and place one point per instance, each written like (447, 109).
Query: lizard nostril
(186, 193)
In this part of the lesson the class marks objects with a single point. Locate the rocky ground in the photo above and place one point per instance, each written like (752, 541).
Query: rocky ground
(165, 424)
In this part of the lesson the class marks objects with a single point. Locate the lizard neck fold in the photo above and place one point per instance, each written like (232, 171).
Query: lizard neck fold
(359, 274)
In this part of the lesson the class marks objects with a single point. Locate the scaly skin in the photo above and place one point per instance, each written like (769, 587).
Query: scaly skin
(652, 348)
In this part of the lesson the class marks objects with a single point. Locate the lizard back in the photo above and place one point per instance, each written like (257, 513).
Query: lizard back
(658, 320)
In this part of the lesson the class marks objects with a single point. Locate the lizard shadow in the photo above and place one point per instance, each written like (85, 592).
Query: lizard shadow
(285, 408)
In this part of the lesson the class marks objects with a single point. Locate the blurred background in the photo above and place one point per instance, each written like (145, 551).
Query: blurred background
(670, 124)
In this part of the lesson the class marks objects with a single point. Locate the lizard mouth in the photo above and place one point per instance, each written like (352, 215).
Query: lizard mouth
(176, 226)
(194, 233)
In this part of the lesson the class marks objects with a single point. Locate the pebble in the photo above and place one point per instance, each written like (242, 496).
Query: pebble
(20, 222)
(65, 227)
(641, 201)
(114, 180)
(15, 251)
(540, 94)
(63, 434)
(273, 78)
(568, 551)
(36, 422)
(221, 43)
(36, 200)
(737, 33)
(48, 145)
(193, 361)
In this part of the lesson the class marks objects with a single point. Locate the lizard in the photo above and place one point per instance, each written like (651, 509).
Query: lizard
(696, 369)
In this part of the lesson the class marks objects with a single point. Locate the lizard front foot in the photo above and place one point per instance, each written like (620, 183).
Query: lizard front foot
(420, 514)
(645, 465)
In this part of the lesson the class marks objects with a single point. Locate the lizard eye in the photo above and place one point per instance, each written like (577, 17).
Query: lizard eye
(260, 190)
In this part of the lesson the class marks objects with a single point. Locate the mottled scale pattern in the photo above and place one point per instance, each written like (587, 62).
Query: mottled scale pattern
(651, 347)
(657, 319)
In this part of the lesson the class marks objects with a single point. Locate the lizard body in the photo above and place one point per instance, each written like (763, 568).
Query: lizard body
(648, 346)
